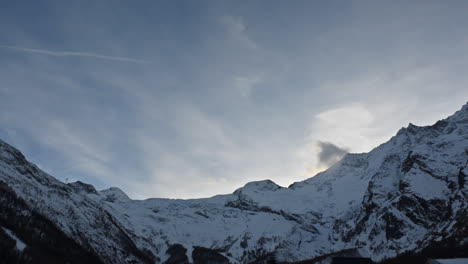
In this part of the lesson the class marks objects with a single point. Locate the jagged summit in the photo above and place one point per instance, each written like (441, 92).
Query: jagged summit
(113, 194)
(83, 187)
(259, 186)
(459, 116)
(408, 194)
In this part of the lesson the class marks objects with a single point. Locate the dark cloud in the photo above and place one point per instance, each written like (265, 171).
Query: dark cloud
(329, 153)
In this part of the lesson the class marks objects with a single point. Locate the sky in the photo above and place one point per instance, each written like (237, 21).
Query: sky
(189, 99)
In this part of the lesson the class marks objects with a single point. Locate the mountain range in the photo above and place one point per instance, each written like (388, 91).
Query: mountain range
(407, 196)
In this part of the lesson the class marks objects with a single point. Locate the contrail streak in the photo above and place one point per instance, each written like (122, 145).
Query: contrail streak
(73, 53)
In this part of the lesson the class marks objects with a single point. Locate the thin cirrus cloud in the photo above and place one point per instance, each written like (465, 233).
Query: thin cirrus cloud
(233, 95)
(246, 85)
(74, 54)
(237, 29)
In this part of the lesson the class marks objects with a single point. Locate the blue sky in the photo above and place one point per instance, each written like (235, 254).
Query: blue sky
(187, 99)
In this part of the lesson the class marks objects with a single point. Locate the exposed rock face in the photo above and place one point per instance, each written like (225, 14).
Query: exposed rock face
(177, 255)
(201, 255)
(408, 194)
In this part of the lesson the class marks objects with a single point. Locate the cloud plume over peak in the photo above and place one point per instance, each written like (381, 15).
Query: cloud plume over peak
(329, 153)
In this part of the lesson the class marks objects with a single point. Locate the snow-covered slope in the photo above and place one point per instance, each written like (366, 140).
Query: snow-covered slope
(69, 208)
(404, 195)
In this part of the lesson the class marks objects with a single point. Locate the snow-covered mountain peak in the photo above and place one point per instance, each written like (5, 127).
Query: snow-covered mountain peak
(461, 114)
(114, 194)
(258, 186)
(7, 152)
(446, 125)
(80, 186)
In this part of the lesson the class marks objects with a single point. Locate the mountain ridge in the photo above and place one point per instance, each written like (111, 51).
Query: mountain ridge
(379, 204)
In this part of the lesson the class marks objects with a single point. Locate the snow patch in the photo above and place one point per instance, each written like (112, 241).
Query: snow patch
(20, 245)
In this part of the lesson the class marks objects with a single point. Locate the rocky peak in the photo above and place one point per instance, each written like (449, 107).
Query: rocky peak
(114, 194)
(258, 186)
(10, 154)
(79, 186)
(460, 115)
(446, 125)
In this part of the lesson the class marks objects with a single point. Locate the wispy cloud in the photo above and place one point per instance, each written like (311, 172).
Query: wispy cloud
(73, 54)
(237, 29)
(245, 85)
